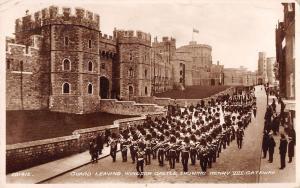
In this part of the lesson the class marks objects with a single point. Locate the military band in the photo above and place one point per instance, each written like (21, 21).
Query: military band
(194, 133)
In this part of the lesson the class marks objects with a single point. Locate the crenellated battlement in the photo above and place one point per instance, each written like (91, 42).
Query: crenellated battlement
(165, 40)
(107, 39)
(23, 50)
(56, 15)
(130, 36)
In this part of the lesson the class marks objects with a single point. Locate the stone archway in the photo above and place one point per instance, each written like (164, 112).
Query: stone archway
(104, 88)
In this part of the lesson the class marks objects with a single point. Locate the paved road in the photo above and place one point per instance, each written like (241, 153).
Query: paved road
(245, 162)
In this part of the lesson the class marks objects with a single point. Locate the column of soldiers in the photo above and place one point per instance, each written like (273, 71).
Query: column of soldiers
(198, 132)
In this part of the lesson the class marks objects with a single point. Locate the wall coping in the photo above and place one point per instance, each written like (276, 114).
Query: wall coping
(93, 129)
(41, 142)
(144, 104)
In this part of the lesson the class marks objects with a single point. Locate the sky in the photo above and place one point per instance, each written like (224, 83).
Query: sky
(236, 29)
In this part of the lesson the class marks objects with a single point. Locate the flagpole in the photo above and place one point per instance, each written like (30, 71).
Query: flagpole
(193, 35)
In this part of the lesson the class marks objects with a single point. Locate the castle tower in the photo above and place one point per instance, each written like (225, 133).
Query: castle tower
(135, 64)
(161, 74)
(262, 68)
(75, 61)
(69, 54)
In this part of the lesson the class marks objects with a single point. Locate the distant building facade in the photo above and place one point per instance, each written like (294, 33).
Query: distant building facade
(199, 69)
(161, 65)
(285, 51)
(239, 77)
(266, 69)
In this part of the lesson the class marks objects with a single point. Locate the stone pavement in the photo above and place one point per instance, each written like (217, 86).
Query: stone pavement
(43, 172)
(288, 174)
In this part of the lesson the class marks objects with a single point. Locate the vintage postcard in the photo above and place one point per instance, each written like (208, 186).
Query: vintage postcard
(149, 92)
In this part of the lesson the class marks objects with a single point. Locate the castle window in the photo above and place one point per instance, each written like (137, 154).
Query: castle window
(90, 88)
(146, 91)
(130, 90)
(66, 41)
(102, 65)
(66, 64)
(90, 66)
(130, 56)
(145, 73)
(90, 43)
(66, 88)
(130, 72)
(21, 65)
(7, 63)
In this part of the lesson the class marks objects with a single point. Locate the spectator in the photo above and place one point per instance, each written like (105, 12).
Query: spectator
(282, 151)
(271, 146)
(291, 149)
(265, 144)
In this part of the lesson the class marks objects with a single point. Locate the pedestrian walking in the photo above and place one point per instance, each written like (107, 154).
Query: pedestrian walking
(282, 151)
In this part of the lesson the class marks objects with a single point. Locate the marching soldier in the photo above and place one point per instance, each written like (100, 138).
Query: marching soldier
(202, 154)
(148, 149)
(153, 144)
(124, 147)
(193, 150)
(133, 150)
(185, 154)
(172, 152)
(160, 151)
(140, 162)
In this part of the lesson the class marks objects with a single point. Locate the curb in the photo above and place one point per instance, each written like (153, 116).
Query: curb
(62, 173)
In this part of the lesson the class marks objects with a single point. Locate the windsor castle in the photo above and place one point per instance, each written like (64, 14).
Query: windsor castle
(61, 61)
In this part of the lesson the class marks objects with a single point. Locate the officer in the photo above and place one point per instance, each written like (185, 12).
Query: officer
(140, 162)
(113, 147)
(240, 135)
(185, 154)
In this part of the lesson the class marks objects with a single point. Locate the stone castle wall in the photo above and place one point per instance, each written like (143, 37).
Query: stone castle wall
(25, 155)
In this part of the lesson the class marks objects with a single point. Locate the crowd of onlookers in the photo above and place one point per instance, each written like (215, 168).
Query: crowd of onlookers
(273, 121)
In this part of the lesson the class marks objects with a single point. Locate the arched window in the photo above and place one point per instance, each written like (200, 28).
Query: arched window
(146, 91)
(90, 66)
(66, 64)
(145, 73)
(66, 88)
(90, 88)
(130, 56)
(130, 90)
